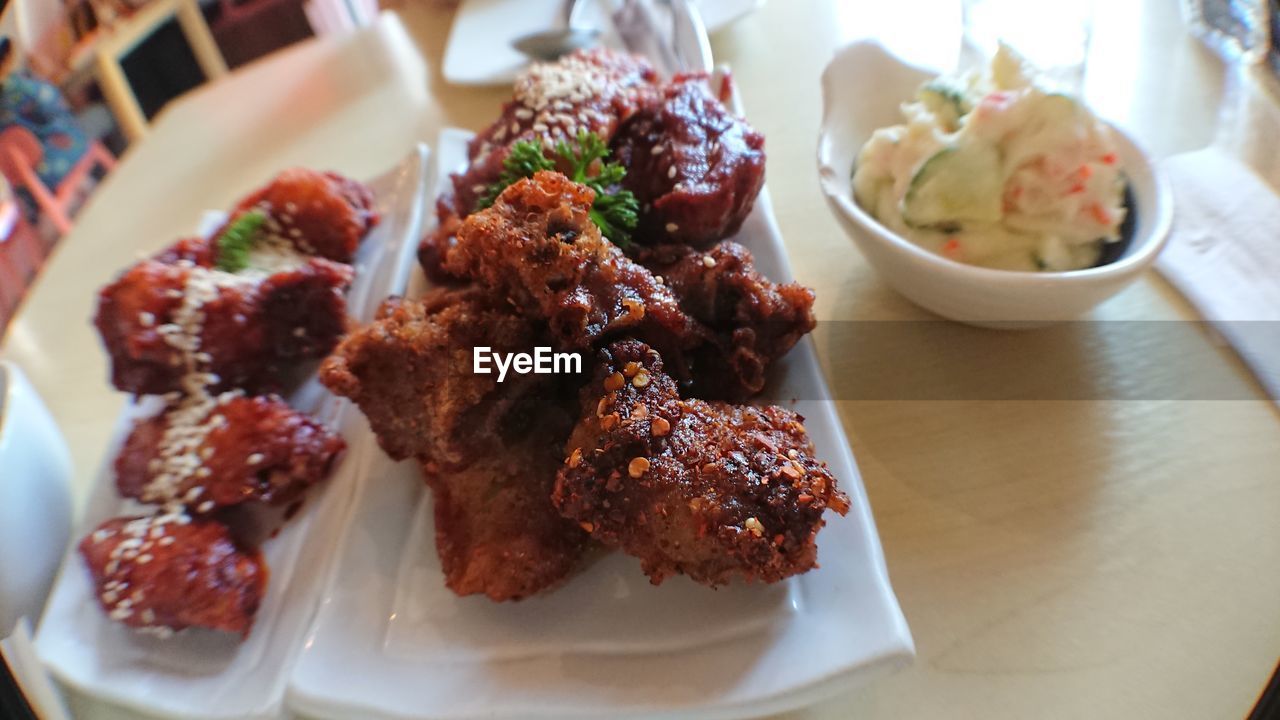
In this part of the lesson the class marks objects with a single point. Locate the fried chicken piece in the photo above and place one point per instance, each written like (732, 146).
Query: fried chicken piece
(321, 213)
(210, 453)
(695, 167)
(489, 451)
(166, 573)
(247, 329)
(538, 247)
(411, 373)
(755, 321)
(497, 533)
(590, 90)
(710, 490)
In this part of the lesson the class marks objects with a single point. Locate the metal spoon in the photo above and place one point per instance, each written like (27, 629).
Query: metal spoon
(553, 44)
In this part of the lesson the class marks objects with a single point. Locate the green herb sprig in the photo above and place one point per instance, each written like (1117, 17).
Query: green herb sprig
(237, 240)
(615, 210)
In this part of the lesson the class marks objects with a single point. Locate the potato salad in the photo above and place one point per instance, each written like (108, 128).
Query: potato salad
(992, 169)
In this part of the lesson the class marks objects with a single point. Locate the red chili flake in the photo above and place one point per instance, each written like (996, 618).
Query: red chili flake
(1076, 189)
(1100, 214)
(1109, 159)
(951, 246)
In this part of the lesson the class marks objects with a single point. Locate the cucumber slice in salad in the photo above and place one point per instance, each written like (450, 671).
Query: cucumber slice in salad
(955, 185)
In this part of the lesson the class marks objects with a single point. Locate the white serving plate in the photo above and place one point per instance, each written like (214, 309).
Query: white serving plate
(479, 50)
(199, 674)
(390, 641)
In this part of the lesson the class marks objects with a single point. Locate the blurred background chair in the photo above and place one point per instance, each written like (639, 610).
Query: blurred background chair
(122, 35)
(21, 158)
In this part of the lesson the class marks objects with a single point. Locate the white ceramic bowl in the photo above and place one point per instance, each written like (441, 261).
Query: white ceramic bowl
(863, 87)
(35, 499)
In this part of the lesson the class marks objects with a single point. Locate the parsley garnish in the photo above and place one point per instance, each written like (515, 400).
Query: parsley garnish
(615, 210)
(237, 240)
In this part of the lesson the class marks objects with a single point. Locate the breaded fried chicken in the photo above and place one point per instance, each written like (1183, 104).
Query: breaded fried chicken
(497, 533)
(538, 247)
(248, 449)
(166, 573)
(709, 490)
(411, 374)
(754, 320)
(489, 451)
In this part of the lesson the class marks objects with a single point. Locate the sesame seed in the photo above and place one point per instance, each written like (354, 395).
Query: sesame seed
(671, 172)
(754, 526)
(672, 227)
(589, 527)
(708, 261)
(255, 459)
(657, 149)
(641, 379)
(575, 458)
(146, 319)
(524, 113)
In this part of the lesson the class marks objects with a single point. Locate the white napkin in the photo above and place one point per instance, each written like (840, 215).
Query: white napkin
(1224, 254)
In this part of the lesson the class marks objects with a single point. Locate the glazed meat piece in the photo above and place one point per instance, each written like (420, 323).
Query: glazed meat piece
(538, 247)
(695, 167)
(196, 250)
(320, 213)
(166, 573)
(710, 490)
(497, 533)
(208, 453)
(754, 320)
(590, 90)
(411, 372)
(163, 322)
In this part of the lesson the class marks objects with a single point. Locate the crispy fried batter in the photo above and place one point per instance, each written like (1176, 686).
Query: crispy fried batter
(320, 213)
(497, 533)
(710, 490)
(264, 451)
(168, 573)
(538, 247)
(754, 320)
(695, 167)
(489, 451)
(411, 373)
(254, 330)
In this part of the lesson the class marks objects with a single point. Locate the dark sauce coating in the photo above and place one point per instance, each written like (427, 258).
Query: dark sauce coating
(695, 167)
(321, 213)
(253, 331)
(710, 490)
(262, 451)
(753, 320)
(168, 576)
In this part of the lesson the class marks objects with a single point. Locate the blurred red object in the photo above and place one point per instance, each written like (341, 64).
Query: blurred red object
(248, 29)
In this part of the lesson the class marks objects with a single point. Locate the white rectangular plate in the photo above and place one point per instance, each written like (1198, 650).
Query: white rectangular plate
(390, 641)
(479, 50)
(198, 674)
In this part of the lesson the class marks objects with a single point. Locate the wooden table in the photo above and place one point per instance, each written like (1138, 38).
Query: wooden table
(1095, 557)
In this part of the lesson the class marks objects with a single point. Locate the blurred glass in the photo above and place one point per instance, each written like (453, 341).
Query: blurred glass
(1053, 35)
(1239, 29)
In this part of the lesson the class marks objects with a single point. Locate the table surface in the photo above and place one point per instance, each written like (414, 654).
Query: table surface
(1084, 556)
